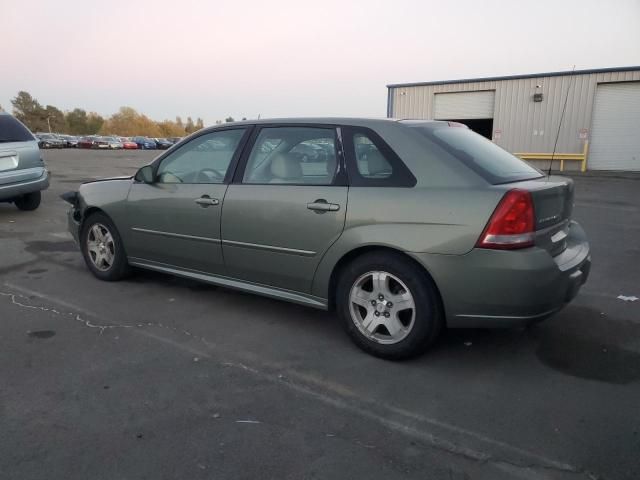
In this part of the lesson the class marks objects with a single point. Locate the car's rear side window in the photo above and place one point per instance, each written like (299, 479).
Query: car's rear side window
(484, 157)
(372, 163)
(11, 130)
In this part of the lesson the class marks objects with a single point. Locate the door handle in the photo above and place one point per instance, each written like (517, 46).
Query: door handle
(206, 201)
(321, 206)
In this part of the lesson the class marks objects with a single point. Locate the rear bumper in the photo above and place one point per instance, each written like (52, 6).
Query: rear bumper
(31, 180)
(493, 288)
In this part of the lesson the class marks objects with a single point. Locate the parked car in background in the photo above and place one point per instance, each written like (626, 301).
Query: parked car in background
(114, 143)
(128, 144)
(49, 140)
(309, 152)
(23, 174)
(86, 142)
(101, 143)
(145, 143)
(163, 143)
(174, 140)
(69, 140)
(403, 228)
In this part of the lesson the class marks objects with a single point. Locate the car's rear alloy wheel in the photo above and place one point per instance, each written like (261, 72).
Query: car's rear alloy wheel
(382, 307)
(102, 248)
(389, 305)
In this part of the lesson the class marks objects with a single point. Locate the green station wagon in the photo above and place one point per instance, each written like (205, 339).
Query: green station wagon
(402, 227)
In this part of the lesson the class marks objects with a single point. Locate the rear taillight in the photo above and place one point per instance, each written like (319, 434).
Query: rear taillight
(512, 224)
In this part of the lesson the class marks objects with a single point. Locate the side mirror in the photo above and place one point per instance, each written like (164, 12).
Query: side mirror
(145, 174)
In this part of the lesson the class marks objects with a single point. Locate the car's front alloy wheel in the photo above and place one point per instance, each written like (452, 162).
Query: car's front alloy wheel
(102, 248)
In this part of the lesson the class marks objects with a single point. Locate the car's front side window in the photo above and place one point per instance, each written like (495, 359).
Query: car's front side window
(293, 155)
(205, 159)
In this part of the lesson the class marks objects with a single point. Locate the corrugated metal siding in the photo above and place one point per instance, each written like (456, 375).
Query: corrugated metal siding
(463, 105)
(525, 125)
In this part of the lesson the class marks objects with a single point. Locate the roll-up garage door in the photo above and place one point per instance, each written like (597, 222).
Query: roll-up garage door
(464, 105)
(615, 134)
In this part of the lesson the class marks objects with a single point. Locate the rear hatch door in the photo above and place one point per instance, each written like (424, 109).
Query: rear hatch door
(20, 161)
(19, 153)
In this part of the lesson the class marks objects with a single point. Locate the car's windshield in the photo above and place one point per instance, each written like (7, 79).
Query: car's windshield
(481, 155)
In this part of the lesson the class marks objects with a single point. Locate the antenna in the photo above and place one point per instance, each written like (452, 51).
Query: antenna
(564, 108)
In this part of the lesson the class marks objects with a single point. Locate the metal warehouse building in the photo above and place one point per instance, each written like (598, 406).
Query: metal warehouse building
(521, 113)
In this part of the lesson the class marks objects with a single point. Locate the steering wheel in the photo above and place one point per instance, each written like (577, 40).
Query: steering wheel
(209, 174)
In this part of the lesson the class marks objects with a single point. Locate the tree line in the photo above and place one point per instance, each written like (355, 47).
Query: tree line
(126, 122)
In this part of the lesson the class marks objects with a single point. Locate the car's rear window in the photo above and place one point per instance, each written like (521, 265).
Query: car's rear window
(11, 130)
(480, 154)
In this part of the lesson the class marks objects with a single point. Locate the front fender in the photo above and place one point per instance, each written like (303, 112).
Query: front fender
(110, 196)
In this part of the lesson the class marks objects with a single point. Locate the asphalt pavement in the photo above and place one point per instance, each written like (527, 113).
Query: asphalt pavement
(162, 378)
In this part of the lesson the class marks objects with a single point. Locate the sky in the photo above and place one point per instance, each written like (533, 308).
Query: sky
(280, 58)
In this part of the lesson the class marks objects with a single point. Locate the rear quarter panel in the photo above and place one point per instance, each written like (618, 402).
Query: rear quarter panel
(438, 220)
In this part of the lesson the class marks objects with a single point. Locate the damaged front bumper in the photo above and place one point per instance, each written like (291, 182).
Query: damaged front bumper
(73, 224)
(74, 216)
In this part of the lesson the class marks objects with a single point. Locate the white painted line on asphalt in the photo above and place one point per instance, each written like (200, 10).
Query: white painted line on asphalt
(59, 301)
(87, 313)
(65, 235)
(336, 395)
(615, 296)
(14, 300)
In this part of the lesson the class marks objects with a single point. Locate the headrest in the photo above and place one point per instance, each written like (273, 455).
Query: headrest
(285, 167)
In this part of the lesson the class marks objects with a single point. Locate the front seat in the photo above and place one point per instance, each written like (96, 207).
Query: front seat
(285, 169)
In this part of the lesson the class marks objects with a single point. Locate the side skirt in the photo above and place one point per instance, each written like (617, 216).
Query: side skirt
(259, 289)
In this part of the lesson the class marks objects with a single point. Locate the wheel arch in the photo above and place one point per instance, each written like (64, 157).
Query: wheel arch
(90, 211)
(351, 255)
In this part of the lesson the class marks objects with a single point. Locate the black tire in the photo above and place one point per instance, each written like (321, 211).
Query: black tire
(28, 201)
(119, 268)
(428, 317)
